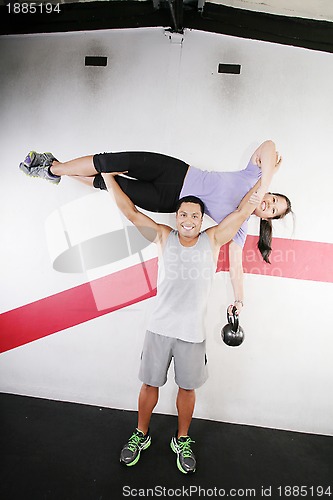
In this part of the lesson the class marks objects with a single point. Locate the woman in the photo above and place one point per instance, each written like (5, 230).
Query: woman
(155, 182)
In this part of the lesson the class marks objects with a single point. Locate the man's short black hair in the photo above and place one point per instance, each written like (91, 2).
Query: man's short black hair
(191, 199)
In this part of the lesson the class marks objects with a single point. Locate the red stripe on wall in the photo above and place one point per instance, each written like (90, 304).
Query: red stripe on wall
(76, 305)
(298, 259)
(304, 260)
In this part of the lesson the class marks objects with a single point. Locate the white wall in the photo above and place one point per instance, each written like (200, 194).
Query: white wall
(161, 96)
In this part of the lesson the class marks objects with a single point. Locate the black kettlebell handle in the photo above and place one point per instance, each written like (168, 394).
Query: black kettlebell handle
(233, 319)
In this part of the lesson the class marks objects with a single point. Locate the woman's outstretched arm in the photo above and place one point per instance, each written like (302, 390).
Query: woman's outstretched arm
(236, 274)
(268, 159)
(226, 230)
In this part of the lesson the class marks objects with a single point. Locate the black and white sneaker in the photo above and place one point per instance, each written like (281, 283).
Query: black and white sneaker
(38, 165)
(186, 461)
(131, 451)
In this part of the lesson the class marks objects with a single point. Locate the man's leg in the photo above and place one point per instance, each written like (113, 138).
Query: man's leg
(148, 398)
(185, 407)
(181, 442)
(190, 374)
(140, 439)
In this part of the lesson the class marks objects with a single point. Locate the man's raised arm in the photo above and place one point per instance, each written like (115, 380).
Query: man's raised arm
(147, 226)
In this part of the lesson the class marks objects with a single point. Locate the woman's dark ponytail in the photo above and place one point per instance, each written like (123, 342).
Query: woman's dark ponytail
(265, 239)
(266, 230)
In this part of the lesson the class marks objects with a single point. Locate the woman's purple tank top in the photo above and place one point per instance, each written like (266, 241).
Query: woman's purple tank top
(222, 192)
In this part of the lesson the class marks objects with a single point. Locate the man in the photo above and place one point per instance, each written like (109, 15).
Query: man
(176, 328)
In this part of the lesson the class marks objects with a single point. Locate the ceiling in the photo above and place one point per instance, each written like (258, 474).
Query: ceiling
(302, 23)
(310, 9)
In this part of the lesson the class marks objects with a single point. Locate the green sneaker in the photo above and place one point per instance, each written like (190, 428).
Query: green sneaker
(38, 164)
(131, 451)
(186, 461)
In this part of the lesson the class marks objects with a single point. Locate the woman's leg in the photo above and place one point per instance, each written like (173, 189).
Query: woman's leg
(143, 194)
(88, 181)
(82, 167)
(158, 179)
(142, 165)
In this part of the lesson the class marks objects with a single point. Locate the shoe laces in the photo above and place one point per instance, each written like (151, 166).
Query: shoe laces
(46, 160)
(134, 441)
(185, 447)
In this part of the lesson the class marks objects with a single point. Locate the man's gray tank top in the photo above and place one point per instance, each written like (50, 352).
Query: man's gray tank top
(185, 276)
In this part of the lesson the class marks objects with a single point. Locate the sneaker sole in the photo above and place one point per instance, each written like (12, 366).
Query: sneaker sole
(174, 449)
(24, 168)
(135, 461)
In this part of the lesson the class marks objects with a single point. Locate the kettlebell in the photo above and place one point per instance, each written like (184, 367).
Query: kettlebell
(232, 333)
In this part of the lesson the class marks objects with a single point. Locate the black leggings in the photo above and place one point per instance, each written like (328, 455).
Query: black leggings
(157, 179)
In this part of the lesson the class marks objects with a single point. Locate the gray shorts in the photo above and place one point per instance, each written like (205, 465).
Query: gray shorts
(190, 361)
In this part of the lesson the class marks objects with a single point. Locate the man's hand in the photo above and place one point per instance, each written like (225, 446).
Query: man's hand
(112, 174)
(278, 161)
(256, 198)
(262, 190)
